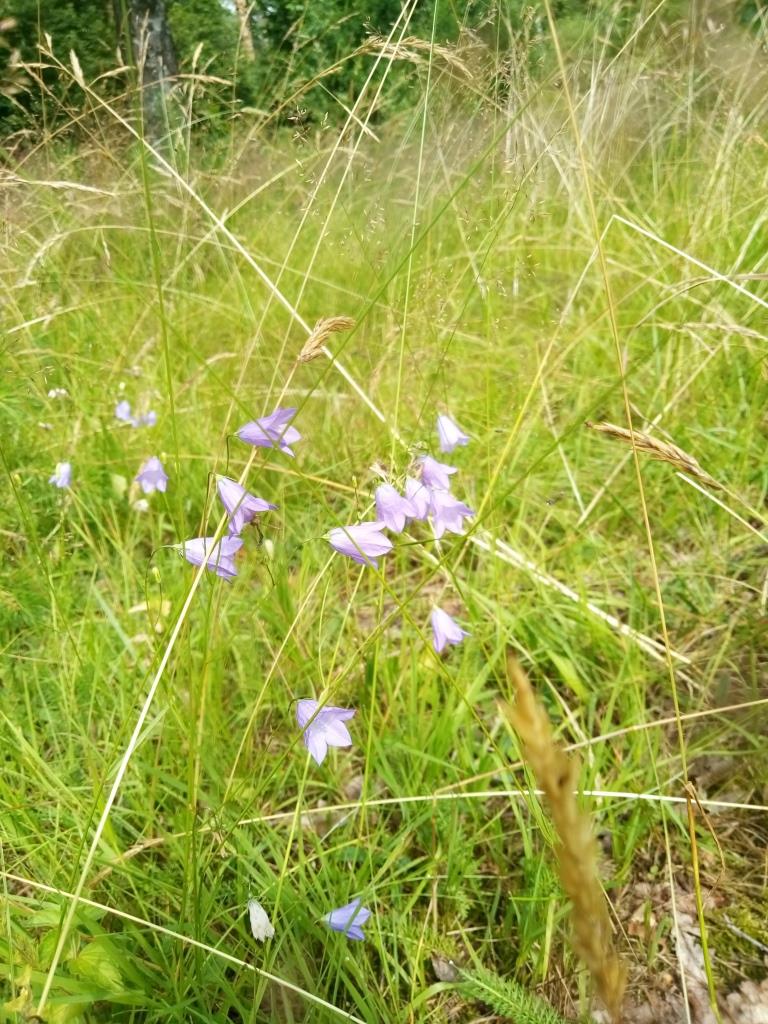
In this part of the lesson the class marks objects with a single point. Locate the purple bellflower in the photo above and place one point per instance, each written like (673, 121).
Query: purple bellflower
(445, 630)
(447, 513)
(152, 476)
(123, 412)
(363, 542)
(349, 920)
(435, 474)
(271, 431)
(62, 475)
(218, 557)
(418, 495)
(392, 508)
(323, 727)
(241, 506)
(449, 433)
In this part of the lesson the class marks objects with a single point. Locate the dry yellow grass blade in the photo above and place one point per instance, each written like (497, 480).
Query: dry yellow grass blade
(321, 332)
(557, 776)
(664, 451)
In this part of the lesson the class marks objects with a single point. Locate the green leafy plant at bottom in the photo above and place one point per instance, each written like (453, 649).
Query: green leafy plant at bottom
(507, 997)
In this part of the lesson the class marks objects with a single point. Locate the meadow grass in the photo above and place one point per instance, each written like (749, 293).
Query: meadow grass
(460, 238)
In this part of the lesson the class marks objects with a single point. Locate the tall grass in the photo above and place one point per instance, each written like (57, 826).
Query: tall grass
(459, 237)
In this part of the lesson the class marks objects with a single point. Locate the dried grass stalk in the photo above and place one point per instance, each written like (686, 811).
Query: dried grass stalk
(664, 451)
(321, 332)
(557, 776)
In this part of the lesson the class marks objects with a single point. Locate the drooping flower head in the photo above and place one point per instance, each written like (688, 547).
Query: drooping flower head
(418, 495)
(241, 506)
(392, 508)
(152, 477)
(349, 920)
(435, 474)
(62, 475)
(261, 926)
(271, 431)
(449, 433)
(323, 727)
(363, 542)
(447, 513)
(445, 630)
(219, 557)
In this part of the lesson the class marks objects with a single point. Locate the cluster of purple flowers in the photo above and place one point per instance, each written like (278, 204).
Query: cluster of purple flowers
(425, 497)
(271, 431)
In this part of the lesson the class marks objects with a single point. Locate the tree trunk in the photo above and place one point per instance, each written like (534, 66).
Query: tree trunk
(154, 55)
(246, 38)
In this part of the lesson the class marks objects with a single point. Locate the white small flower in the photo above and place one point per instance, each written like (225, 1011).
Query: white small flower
(58, 393)
(141, 505)
(261, 926)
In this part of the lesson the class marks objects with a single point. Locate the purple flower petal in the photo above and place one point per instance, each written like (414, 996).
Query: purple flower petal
(449, 433)
(363, 542)
(447, 513)
(418, 495)
(123, 412)
(445, 630)
(392, 508)
(323, 727)
(435, 474)
(242, 507)
(271, 431)
(349, 919)
(152, 476)
(62, 475)
(219, 557)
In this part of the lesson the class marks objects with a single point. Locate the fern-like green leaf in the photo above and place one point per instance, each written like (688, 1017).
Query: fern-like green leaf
(507, 997)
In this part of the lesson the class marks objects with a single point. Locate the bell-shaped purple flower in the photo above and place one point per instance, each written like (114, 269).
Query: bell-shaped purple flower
(363, 542)
(449, 433)
(349, 920)
(123, 412)
(271, 431)
(392, 508)
(445, 630)
(219, 557)
(242, 507)
(447, 513)
(62, 475)
(148, 419)
(152, 476)
(418, 495)
(323, 727)
(435, 474)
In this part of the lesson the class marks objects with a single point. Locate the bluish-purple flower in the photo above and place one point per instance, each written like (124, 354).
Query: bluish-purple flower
(241, 506)
(435, 474)
(349, 920)
(445, 630)
(271, 431)
(447, 513)
(123, 412)
(323, 727)
(152, 477)
(392, 508)
(418, 495)
(449, 433)
(62, 475)
(219, 557)
(363, 542)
